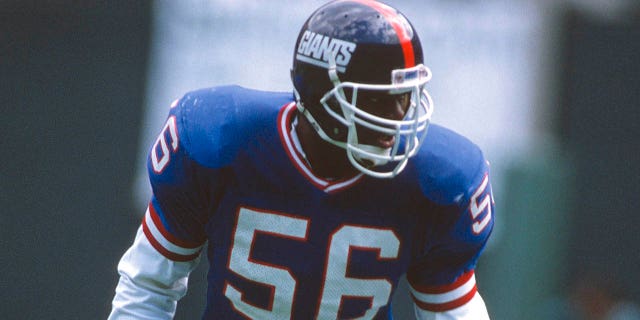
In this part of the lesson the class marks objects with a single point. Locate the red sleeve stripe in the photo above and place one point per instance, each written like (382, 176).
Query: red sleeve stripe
(441, 307)
(460, 281)
(155, 233)
(446, 297)
(166, 234)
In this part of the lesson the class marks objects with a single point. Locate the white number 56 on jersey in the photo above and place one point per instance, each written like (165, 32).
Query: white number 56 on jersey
(336, 283)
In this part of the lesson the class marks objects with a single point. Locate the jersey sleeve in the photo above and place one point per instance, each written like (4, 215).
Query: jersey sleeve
(154, 270)
(442, 281)
(184, 190)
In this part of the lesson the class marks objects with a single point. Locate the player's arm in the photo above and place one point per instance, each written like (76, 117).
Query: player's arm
(443, 283)
(458, 301)
(153, 273)
(154, 270)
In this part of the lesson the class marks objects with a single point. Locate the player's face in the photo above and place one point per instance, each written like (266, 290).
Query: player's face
(383, 105)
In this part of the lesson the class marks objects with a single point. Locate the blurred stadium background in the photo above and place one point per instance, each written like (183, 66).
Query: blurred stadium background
(549, 89)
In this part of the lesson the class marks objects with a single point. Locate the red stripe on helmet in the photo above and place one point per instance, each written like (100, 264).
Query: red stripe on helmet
(396, 21)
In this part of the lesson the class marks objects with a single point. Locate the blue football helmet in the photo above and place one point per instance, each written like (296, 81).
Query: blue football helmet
(362, 48)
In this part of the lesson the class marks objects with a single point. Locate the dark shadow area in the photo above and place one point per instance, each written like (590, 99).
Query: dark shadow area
(72, 79)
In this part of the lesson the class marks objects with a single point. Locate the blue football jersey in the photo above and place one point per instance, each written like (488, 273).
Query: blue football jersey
(228, 172)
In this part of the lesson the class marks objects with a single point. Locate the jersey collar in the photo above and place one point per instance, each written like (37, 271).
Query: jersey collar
(292, 146)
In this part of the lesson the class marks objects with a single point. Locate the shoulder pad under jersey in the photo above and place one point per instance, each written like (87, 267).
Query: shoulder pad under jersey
(218, 121)
(449, 166)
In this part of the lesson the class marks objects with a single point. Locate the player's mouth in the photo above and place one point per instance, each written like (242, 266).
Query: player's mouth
(385, 141)
(376, 139)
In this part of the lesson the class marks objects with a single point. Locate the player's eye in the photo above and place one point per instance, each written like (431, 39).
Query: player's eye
(404, 100)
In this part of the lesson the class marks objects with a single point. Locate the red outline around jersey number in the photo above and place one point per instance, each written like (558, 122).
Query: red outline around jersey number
(282, 282)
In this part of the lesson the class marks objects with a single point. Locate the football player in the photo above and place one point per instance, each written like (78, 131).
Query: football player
(313, 204)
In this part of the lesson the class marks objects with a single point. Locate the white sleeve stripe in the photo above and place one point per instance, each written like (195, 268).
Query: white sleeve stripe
(163, 241)
(150, 284)
(445, 297)
(473, 309)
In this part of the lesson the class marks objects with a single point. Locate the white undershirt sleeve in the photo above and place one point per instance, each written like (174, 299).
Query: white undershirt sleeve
(475, 309)
(150, 284)
(458, 300)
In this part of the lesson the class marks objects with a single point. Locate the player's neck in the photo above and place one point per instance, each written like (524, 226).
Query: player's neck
(326, 160)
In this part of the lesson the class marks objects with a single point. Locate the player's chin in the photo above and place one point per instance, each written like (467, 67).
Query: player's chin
(379, 140)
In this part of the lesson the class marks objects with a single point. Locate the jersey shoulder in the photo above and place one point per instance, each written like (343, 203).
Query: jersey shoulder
(449, 166)
(453, 173)
(203, 134)
(214, 123)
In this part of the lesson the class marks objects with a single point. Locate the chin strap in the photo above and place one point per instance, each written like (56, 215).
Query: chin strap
(296, 141)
